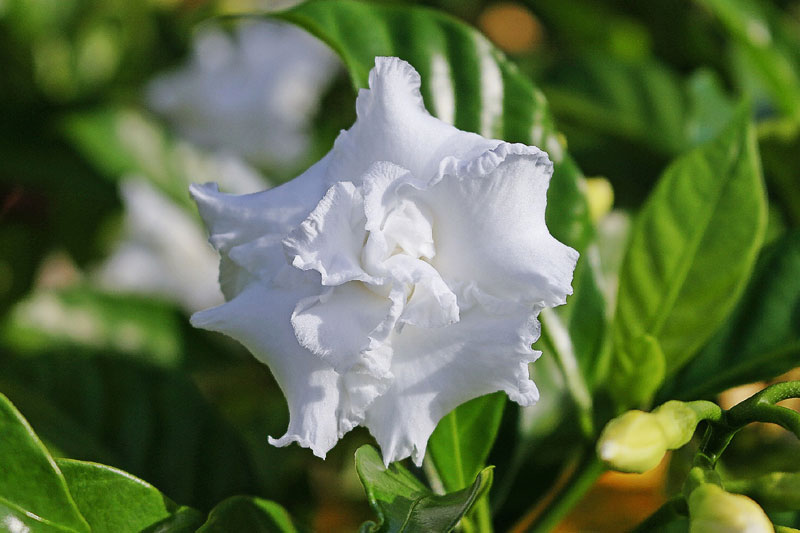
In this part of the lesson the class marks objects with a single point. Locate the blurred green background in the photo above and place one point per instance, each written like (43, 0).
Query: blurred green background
(110, 109)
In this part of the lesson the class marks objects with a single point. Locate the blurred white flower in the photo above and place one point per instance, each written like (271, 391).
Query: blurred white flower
(164, 251)
(397, 278)
(252, 94)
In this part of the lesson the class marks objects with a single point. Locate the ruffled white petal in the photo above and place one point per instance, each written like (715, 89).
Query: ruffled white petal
(236, 219)
(319, 406)
(393, 126)
(490, 228)
(330, 239)
(344, 323)
(435, 370)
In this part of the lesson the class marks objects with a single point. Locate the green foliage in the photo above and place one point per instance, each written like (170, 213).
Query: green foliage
(461, 442)
(708, 210)
(33, 491)
(242, 513)
(767, 45)
(761, 339)
(69, 496)
(113, 501)
(151, 422)
(404, 504)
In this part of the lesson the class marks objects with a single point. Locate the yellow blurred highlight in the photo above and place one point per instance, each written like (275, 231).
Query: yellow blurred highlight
(511, 27)
(600, 195)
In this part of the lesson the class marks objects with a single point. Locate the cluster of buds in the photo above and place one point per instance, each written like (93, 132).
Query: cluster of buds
(637, 441)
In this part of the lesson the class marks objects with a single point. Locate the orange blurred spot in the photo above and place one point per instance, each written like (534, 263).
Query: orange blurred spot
(511, 27)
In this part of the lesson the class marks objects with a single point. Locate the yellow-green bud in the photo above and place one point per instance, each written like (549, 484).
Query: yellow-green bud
(678, 422)
(632, 442)
(712, 510)
(637, 441)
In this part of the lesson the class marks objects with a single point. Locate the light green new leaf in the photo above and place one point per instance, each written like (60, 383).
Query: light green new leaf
(456, 452)
(245, 513)
(761, 339)
(692, 249)
(404, 504)
(113, 501)
(33, 492)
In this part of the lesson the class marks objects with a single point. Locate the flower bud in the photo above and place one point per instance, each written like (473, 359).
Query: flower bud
(637, 441)
(678, 421)
(632, 442)
(712, 510)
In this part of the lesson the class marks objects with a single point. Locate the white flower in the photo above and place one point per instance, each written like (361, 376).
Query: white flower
(253, 94)
(397, 278)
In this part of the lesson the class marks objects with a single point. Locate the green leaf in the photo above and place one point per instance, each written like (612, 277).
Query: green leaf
(465, 81)
(765, 43)
(243, 513)
(639, 369)
(761, 339)
(463, 439)
(404, 504)
(113, 501)
(692, 249)
(151, 422)
(33, 491)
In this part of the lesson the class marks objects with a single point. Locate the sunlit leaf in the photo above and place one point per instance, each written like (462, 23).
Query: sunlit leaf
(761, 339)
(692, 249)
(33, 492)
(113, 501)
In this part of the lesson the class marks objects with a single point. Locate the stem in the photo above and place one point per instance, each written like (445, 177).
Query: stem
(669, 512)
(761, 408)
(574, 489)
(557, 336)
(483, 515)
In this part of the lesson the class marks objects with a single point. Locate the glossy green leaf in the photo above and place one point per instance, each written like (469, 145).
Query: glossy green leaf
(692, 249)
(404, 504)
(151, 422)
(766, 44)
(113, 501)
(243, 513)
(761, 339)
(33, 492)
(455, 448)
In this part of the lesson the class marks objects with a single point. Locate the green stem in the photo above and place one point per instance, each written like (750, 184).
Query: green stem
(761, 408)
(483, 515)
(588, 472)
(667, 513)
(556, 335)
